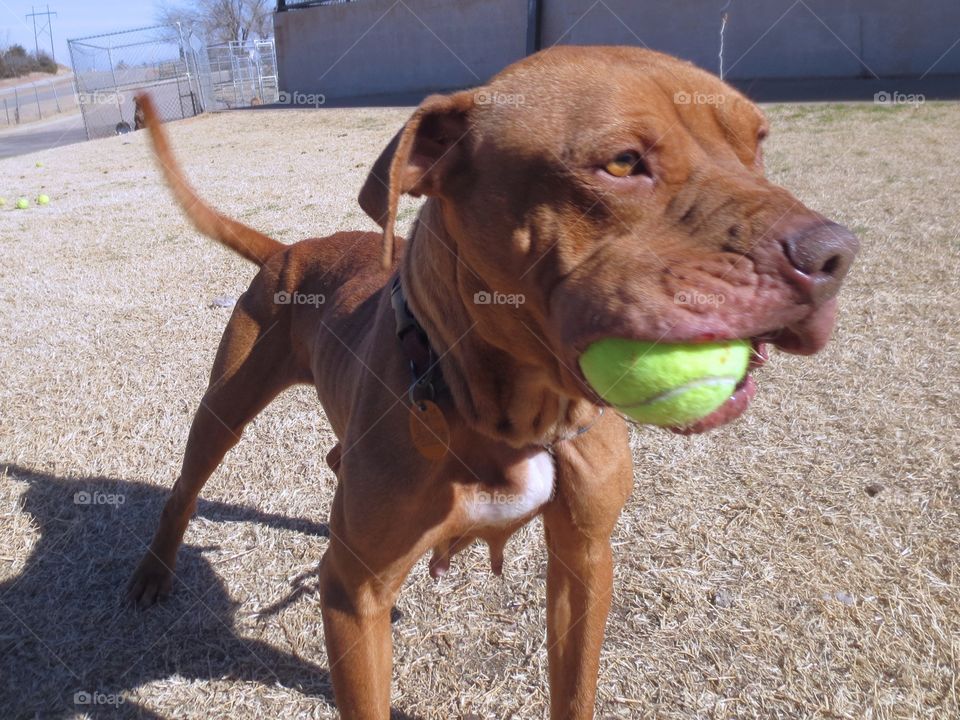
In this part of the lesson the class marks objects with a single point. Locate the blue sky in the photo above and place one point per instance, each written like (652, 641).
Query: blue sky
(75, 18)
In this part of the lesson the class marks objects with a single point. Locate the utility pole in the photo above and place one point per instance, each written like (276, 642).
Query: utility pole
(33, 15)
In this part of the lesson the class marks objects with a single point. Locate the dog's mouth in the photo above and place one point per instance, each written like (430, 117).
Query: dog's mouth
(739, 399)
(804, 337)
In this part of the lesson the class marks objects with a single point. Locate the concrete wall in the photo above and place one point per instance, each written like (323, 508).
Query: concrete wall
(774, 38)
(381, 46)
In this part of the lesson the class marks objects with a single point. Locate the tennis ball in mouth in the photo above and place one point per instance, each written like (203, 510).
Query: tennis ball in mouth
(665, 384)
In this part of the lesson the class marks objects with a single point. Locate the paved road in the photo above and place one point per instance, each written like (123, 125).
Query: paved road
(61, 130)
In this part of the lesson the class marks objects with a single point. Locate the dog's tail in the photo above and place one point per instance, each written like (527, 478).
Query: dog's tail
(243, 240)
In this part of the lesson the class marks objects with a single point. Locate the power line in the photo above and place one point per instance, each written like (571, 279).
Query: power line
(33, 14)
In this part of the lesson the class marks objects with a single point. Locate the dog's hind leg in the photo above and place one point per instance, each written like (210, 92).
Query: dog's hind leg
(254, 364)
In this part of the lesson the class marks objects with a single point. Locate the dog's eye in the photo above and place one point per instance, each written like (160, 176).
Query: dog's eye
(625, 164)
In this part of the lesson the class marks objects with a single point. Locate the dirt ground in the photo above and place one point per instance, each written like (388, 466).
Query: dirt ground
(802, 562)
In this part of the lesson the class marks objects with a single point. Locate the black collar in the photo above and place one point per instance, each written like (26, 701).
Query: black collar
(427, 380)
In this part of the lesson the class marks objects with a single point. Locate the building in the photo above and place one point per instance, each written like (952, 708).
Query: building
(341, 49)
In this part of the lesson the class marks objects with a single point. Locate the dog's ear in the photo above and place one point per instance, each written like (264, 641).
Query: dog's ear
(417, 160)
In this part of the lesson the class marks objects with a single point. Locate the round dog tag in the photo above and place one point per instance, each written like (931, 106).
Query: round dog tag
(428, 430)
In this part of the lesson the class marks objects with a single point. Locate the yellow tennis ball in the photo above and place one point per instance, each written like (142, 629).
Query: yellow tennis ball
(23, 204)
(43, 199)
(665, 384)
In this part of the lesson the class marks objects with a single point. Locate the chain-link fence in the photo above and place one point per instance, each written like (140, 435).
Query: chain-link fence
(110, 69)
(183, 76)
(240, 74)
(37, 100)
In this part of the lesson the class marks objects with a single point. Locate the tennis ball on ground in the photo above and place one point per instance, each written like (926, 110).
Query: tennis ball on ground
(665, 384)
(39, 164)
(43, 199)
(23, 204)
(3, 201)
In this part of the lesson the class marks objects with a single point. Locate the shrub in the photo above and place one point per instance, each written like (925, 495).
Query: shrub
(45, 63)
(15, 61)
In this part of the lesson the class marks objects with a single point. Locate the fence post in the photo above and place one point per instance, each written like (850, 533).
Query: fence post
(6, 110)
(259, 66)
(77, 88)
(36, 96)
(116, 92)
(16, 102)
(53, 85)
(186, 69)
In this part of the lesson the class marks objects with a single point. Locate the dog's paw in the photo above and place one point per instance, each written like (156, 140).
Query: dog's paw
(151, 581)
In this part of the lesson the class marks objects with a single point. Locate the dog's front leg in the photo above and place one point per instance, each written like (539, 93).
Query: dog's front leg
(579, 584)
(361, 574)
(594, 477)
(356, 623)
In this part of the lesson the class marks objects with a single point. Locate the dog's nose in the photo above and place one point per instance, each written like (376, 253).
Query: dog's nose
(820, 257)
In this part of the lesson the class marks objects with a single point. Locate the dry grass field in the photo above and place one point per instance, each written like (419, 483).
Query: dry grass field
(802, 562)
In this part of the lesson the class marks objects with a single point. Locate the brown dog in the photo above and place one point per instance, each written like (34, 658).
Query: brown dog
(595, 189)
(139, 116)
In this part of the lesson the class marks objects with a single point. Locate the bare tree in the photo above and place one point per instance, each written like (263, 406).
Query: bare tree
(220, 21)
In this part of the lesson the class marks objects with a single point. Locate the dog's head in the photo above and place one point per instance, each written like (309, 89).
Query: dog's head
(620, 193)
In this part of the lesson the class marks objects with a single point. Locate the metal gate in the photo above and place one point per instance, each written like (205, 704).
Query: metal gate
(241, 74)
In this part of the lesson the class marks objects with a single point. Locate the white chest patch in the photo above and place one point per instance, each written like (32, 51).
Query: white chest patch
(503, 506)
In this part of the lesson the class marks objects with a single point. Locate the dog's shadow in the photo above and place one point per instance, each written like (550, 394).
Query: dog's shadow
(69, 645)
